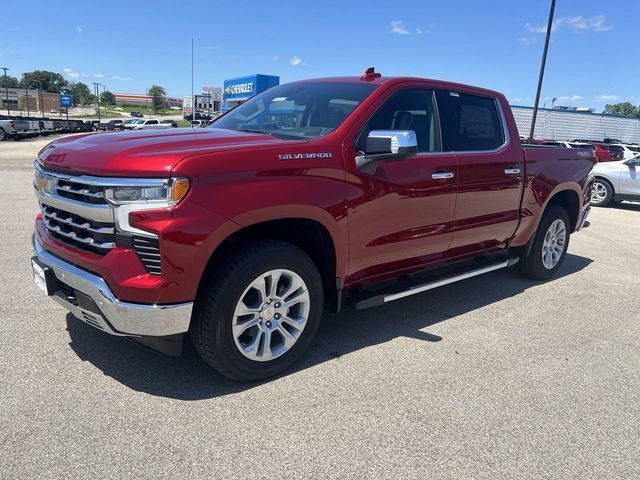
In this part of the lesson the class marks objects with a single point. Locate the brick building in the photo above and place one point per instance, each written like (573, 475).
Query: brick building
(17, 99)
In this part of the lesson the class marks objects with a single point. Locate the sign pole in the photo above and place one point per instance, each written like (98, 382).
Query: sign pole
(6, 88)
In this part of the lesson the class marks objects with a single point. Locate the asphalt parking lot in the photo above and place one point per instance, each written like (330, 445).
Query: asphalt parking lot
(494, 377)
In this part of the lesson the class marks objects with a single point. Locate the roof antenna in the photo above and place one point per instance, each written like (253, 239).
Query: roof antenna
(370, 74)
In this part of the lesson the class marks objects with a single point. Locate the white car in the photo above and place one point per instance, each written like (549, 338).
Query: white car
(149, 124)
(627, 150)
(616, 181)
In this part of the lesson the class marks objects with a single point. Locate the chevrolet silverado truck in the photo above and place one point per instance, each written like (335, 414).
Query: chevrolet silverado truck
(315, 194)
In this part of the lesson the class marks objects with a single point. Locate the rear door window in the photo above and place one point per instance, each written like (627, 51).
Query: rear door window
(469, 122)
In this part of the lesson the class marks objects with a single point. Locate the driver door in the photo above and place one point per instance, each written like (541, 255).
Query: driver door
(400, 215)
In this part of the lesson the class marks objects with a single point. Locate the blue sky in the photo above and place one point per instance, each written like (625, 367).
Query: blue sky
(495, 44)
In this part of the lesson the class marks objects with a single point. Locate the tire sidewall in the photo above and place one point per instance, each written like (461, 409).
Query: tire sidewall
(534, 261)
(609, 196)
(230, 293)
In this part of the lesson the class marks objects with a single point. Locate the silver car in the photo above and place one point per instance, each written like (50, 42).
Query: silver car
(616, 181)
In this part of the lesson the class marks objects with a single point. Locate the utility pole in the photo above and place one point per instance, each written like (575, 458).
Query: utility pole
(6, 88)
(193, 97)
(542, 65)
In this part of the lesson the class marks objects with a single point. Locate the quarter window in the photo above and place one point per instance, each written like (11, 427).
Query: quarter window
(469, 122)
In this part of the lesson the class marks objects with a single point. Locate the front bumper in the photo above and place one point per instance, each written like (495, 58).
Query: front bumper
(89, 298)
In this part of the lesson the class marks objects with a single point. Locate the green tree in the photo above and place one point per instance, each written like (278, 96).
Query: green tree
(9, 82)
(81, 93)
(107, 98)
(49, 81)
(157, 97)
(624, 109)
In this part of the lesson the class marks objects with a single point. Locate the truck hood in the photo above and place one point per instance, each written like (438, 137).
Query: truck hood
(151, 153)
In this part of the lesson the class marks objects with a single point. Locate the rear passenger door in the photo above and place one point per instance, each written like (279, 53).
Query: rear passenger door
(490, 171)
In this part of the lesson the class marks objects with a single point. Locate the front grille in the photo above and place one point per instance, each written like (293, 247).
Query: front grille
(77, 231)
(80, 191)
(148, 251)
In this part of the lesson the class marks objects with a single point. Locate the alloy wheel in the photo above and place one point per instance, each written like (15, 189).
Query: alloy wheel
(271, 315)
(554, 243)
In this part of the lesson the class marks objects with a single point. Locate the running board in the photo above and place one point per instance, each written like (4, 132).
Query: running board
(382, 298)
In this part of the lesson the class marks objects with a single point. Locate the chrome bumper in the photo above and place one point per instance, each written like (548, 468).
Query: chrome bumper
(112, 315)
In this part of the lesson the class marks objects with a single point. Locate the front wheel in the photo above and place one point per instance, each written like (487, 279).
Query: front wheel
(258, 313)
(549, 247)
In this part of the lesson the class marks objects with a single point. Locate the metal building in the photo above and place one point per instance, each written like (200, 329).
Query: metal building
(567, 125)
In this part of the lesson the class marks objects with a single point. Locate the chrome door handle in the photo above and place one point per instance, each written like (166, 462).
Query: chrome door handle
(512, 171)
(442, 175)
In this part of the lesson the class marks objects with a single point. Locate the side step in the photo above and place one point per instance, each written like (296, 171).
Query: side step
(367, 299)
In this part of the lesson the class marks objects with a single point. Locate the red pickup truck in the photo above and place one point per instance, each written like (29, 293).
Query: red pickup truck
(311, 195)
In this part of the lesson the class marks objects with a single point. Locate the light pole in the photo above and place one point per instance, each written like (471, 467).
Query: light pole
(542, 64)
(6, 88)
(97, 91)
(104, 89)
(27, 96)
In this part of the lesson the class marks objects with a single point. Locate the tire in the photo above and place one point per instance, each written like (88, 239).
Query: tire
(602, 193)
(538, 265)
(3, 135)
(229, 288)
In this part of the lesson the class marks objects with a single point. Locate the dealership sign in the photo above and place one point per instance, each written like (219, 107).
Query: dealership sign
(239, 88)
(66, 101)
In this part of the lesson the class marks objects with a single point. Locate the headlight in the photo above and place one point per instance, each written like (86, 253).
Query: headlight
(43, 183)
(166, 193)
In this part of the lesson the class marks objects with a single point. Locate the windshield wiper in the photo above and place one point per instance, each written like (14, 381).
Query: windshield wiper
(251, 130)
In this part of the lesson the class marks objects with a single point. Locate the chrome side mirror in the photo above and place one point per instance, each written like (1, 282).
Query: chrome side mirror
(387, 145)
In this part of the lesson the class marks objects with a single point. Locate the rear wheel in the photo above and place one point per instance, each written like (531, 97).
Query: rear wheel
(3, 135)
(258, 313)
(602, 193)
(549, 247)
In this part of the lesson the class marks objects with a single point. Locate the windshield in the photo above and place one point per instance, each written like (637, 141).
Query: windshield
(298, 111)
(616, 148)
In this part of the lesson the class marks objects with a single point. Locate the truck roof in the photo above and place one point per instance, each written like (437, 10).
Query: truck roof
(392, 80)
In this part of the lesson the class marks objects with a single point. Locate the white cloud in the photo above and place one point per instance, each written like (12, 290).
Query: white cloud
(397, 26)
(577, 23)
(295, 61)
(536, 28)
(276, 58)
(117, 77)
(98, 75)
(70, 73)
(572, 98)
(528, 39)
(79, 29)
(608, 97)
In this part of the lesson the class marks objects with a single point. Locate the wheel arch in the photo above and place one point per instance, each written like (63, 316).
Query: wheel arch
(309, 234)
(570, 201)
(598, 176)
